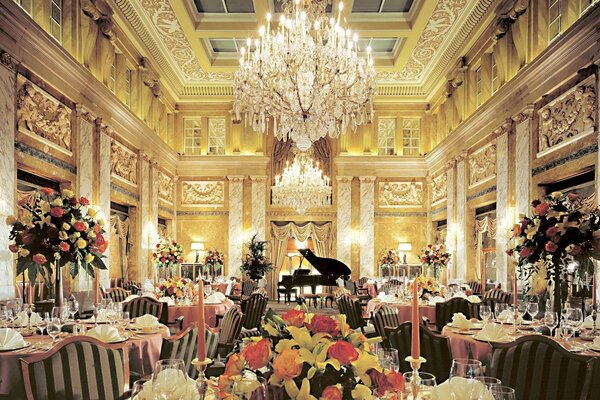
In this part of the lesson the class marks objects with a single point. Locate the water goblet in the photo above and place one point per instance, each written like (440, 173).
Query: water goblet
(500, 392)
(53, 328)
(574, 318)
(566, 331)
(138, 387)
(488, 381)
(466, 368)
(486, 313)
(388, 358)
(73, 309)
(426, 384)
(167, 378)
(501, 316)
(550, 320)
(532, 310)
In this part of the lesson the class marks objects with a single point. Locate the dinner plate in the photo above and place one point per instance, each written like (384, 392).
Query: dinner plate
(587, 338)
(140, 331)
(478, 326)
(492, 341)
(591, 346)
(13, 348)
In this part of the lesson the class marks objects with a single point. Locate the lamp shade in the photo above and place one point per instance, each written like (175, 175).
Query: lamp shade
(197, 246)
(291, 246)
(403, 247)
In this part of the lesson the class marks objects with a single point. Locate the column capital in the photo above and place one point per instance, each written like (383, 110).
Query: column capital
(258, 178)
(505, 128)
(451, 164)
(143, 156)
(8, 61)
(84, 113)
(523, 115)
(344, 179)
(236, 178)
(367, 179)
(462, 156)
(107, 130)
(153, 162)
(175, 178)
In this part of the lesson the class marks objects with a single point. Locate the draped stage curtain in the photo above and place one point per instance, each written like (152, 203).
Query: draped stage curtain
(321, 235)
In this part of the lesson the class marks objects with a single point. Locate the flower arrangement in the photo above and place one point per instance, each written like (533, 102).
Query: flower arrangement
(388, 261)
(213, 262)
(168, 254)
(560, 230)
(59, 229)
(424, 283)
(254, 263)
(434, 258)
(311, 357)
(176, 288)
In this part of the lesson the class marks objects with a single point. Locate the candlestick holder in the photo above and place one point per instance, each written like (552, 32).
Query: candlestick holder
(594, 316)
(201, 366)
(415, 380)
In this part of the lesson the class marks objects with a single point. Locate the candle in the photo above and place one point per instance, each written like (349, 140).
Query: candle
(201, 326)
(515, 291)
(416, 350)
(96, 288)
(594, 284)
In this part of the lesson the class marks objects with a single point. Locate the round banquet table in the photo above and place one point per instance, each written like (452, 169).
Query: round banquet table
(219, 287)
(404, 310)
(190, 313)
(144, 351)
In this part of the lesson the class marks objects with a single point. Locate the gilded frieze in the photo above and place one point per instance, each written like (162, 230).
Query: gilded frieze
(165, 187)
(482, 165)
(398, 194)
(202, 193)
(123, 163)
(439, 188)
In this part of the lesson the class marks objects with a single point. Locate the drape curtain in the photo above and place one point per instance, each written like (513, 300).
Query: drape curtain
(321, 235)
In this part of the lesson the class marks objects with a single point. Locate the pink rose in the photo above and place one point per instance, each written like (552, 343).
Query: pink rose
(13, 248)
(526, 251)
(57, 212)
(573, 196)
(47, 191)
(551, 247)
(551, 232)
(84, 201)
(79, 226)
(39, 259)
(542, 208)
(64, 246)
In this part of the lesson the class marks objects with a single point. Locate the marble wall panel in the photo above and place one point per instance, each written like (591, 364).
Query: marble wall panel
(236, 201)
(104, 195)
(522, 163)
(144, 214)
(461, 220)
(503, 214)
(344, 219)
(367, 225)
(259, 196)
(451, 218)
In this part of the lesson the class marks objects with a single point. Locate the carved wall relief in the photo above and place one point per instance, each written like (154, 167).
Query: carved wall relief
(439, 189)
(570, 115)
(202, 193)
(396, 194)
(123, 162)
(43, 115)
(482, 165)
(165, 187)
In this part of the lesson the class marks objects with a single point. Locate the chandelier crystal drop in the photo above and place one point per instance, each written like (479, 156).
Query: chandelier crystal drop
(305, 76)
(302, 185)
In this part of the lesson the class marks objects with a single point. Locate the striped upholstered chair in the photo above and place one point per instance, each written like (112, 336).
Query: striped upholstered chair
(475, 287)
(184, 346)
(384, 317)
(144, 305)
(230, 330)
(351, 307)
(79, 367)
(117, 294)
(564, 376)
(445, 310)
(498, 294)
(435, 348)
(253, 310)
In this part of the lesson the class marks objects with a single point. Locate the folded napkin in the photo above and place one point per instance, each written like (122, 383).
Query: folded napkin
(105, 333)
(458, 388)
(130, 297)
(588, 322)
(167, 300)
(9, 338)
(596, 342)
(146, 321)
(460, 321)
(370, 282)
(460, 294)
(21, 319)
(436, 299)
(173, 382)
(216, 297)
(493, 333)
(389, 298)
(509, 317)
(36, 319)
(474, 299)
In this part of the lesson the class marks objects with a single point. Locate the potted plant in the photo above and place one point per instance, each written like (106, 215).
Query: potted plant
(254, 263)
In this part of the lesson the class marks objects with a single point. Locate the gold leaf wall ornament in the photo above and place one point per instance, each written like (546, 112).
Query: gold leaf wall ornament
(43, 115)
(165, 187)
(439, 188)
(570, 115)
(202, 193)
(482, 165)
(123, 162)
(398, 194)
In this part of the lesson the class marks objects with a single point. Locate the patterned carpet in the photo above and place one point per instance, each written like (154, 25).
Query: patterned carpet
(282, 308)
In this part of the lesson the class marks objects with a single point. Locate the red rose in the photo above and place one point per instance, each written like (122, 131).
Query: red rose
(380, 382)
(170, 290)
(57, 212)
(79, 226)
(551, 232)
(162, 259)
(395, 381)
(47, 191)
(26, 238)
(64, 246)
(13, 248)
(541, 209)
(73, 201)
(84, 201)
(343, 351)
(331, 393)
(258, 354)
(158, 245)
(323, 324)
(551, 247)
(180, 260)
(294, 318)
(573, 196)
(154, 255)
(527, 251)
(39, 259)
(534, 203)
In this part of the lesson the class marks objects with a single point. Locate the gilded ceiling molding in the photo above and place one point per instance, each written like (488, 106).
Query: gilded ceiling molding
(482, 165)
(524, 115)
(505, 20)
(105, 23)
(8, 61)
(400, 194)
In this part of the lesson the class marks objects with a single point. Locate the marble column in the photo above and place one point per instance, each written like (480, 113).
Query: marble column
(144, 215)
(344, 219)
(429, 230)
(174, 220)
(523, 121)
(236, 232)
(461, 217)
(504, 213)
(259, 202)
(8, 173)
(451, 218)
(153, 210)
(367, 225)
(104, 140)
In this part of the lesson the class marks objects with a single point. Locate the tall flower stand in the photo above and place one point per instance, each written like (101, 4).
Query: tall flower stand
(58, 285)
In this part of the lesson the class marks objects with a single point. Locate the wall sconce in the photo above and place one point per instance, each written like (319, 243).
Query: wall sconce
(197, 247)
(403, 248)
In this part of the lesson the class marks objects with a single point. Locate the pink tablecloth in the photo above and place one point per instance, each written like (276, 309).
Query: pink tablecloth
(371, 289)
(190, 313)
(404, 310)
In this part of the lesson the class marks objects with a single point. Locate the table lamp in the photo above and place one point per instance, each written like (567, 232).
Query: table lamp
(403, 248)
(198, 247)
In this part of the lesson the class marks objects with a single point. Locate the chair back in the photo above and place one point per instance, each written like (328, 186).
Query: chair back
(184, 346)
(395, 282)
(445, 310)
(497, 294)
(386, 288)
(231, 326)
(352, 287)
(262, 291)
(253, 310)
(117, 294)
(144, 305)
(132, 287)
(353, 311)
(78, 367)
(435, 348)
(385, 316)
(248, 287)
(538, 367)
(475, 287)
(363, 281)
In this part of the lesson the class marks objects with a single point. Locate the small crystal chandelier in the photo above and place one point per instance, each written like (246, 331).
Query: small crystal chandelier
(305, 76)
(302, 185)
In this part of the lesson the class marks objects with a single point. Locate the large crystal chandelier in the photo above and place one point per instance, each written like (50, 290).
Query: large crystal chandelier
(305, 76)
(302, 185)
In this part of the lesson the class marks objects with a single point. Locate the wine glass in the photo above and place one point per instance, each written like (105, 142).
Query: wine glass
(388, 358)
(501, 316)
(521, 310)
(466, 368)
(486, 313)
(574, 318)
(44, 319)
(53, 328)
(550, 320)
(138, 387)
(488, 381)
(500, 392)
(532, 310)
(73, 309)
(168, 378)
(566, 331)
(427, 382)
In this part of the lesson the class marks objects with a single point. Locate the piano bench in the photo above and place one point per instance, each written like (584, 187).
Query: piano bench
(287, 298)
(308, 297)
(326, 297)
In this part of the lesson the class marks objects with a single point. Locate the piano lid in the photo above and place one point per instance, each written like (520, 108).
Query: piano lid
(326, 266)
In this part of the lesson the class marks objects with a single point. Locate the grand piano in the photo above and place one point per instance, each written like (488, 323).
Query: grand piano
(329, 268)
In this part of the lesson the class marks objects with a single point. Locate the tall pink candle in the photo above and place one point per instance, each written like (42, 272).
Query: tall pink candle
(416, 349)
(594, 284)
(201, 325)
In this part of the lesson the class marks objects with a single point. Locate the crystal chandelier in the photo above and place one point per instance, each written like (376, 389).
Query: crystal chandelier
(305, 76)
(302, 185)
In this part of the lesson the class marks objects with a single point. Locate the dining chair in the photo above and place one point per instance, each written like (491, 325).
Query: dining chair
(475, 287)
(230, 330)
(538, 367)
(434, 348)
(385, 316)
(445, 310)
(253, 310)
(498, 294)
(117, 294)
(363, 281)
(132, 287)
(78, 367)
(351, 307)
(184, 346)
(144, 305)
(361, 293)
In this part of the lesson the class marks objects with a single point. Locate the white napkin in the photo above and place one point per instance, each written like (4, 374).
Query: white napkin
(370, 282)
(493, 333)
(105, 333)
(458, 388)
(146, 321)
(174, 382)
(474, 299)
(21, 319)
(508, 317)
(36, 319)
(588, 322)
(460, 321)
(9, 338)
(389, 298)
(340, 282)
(130, 297)
(167, 300)
(596, 342)
(460, 294)
(215, 298)
(436, 299)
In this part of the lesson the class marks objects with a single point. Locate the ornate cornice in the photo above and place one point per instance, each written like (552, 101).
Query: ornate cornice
(367, 179)
(524, 114)
(344, 179)
(8, 60)
(235, 178)
(505, 20)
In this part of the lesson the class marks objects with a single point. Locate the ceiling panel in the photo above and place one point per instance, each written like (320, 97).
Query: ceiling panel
(224, 6)
(376, 6)
(277, 4)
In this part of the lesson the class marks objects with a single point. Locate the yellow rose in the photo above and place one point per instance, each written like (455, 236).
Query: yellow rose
(80, 243)
(67, 193)
(556, 195)
(91, 234)
(62, 235)
(89, 257)
(100, 222)
(23, 252)
(11, 220)
(57, 202)
(45, 207)
(66, 226)
(92, 212)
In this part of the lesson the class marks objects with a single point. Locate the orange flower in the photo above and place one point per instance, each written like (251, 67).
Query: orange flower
(294, 318)
(395, 381)
(343, 351)
(286, 366)
(39, 259)
(258, 354)
(323, 324)
(234, 365)
(332, 393)
(380, 383)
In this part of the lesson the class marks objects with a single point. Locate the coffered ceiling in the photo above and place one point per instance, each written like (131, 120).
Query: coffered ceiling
(195, 43)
